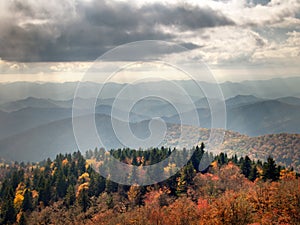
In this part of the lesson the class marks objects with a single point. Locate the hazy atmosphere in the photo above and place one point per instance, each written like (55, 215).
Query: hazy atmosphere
(144, 112)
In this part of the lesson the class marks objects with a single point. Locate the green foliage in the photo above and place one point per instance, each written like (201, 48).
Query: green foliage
(70, 196)
(253, 173)
(110, 201)
(83, 200)
(270, 170)
(187, 175)
(246, 166)
(27, 202)
(61, 184)
(196, 157)
(8, 213)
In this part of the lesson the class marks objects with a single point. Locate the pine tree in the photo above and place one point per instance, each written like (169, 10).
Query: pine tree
(8, 211)
(254, 173)
(187, 174)
(61, 185)
(110, 202)
(27, 202)
(197, 155)
(111, 186)
(235, 159)
(22, 220)
(45, 192)
(270, 171)
(70, 197)
(246, 166)
(83, 200)
(222, 159)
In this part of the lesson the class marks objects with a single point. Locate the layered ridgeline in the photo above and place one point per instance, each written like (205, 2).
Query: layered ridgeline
(263, 118)
(270, 89)
(50, 139)
(67, 190)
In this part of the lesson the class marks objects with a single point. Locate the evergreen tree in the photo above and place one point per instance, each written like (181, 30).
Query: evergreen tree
(27, 202)
(134, 161)
(22, 220)
(70, 197)
(83, 200)
(45, 192)
(97, 184)
(110, 201)
(187, 174)
(254, 173)
(270, 171)
(196, 157)
(8, 211)
(111, 186)
(246, 166)
(222, 159)
(61, 184)
(235, 159)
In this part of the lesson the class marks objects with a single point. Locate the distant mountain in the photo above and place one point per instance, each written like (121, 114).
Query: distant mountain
(264, 117)
(50, 139)
(273, 88)
(246, 114)
(252, 116)
(290, 100)
(28, 102)
(26, 118)
(240, 100)
(56, 91)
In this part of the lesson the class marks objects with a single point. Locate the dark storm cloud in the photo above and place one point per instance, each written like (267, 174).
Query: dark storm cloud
(70, 31)
(186, 18)
(259, 2)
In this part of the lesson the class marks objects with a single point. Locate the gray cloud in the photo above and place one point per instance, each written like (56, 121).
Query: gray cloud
(259, 2)
(74, 30)
(186, 17)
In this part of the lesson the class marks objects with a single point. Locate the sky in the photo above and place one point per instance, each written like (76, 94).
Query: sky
(58, 41)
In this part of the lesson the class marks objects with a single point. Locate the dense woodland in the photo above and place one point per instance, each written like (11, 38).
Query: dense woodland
(284, 148)
(231, 190)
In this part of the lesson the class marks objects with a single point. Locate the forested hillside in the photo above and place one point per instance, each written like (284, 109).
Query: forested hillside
(284, 148)
(231, 190)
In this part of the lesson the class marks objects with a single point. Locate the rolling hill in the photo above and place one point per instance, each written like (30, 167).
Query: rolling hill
(57, 137)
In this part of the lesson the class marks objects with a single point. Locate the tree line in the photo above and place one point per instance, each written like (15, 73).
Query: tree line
(72, 183)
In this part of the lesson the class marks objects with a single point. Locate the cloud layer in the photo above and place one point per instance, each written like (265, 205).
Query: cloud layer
(83, 30)
(220, 32)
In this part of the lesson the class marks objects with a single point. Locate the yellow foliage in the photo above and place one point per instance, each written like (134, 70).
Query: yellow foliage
(65, 162)
(259, 170)
(134, 192)
(85, 177)
(18, 200)
(214, 164)
(287, 175)
(81, 187)
(170, 168)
